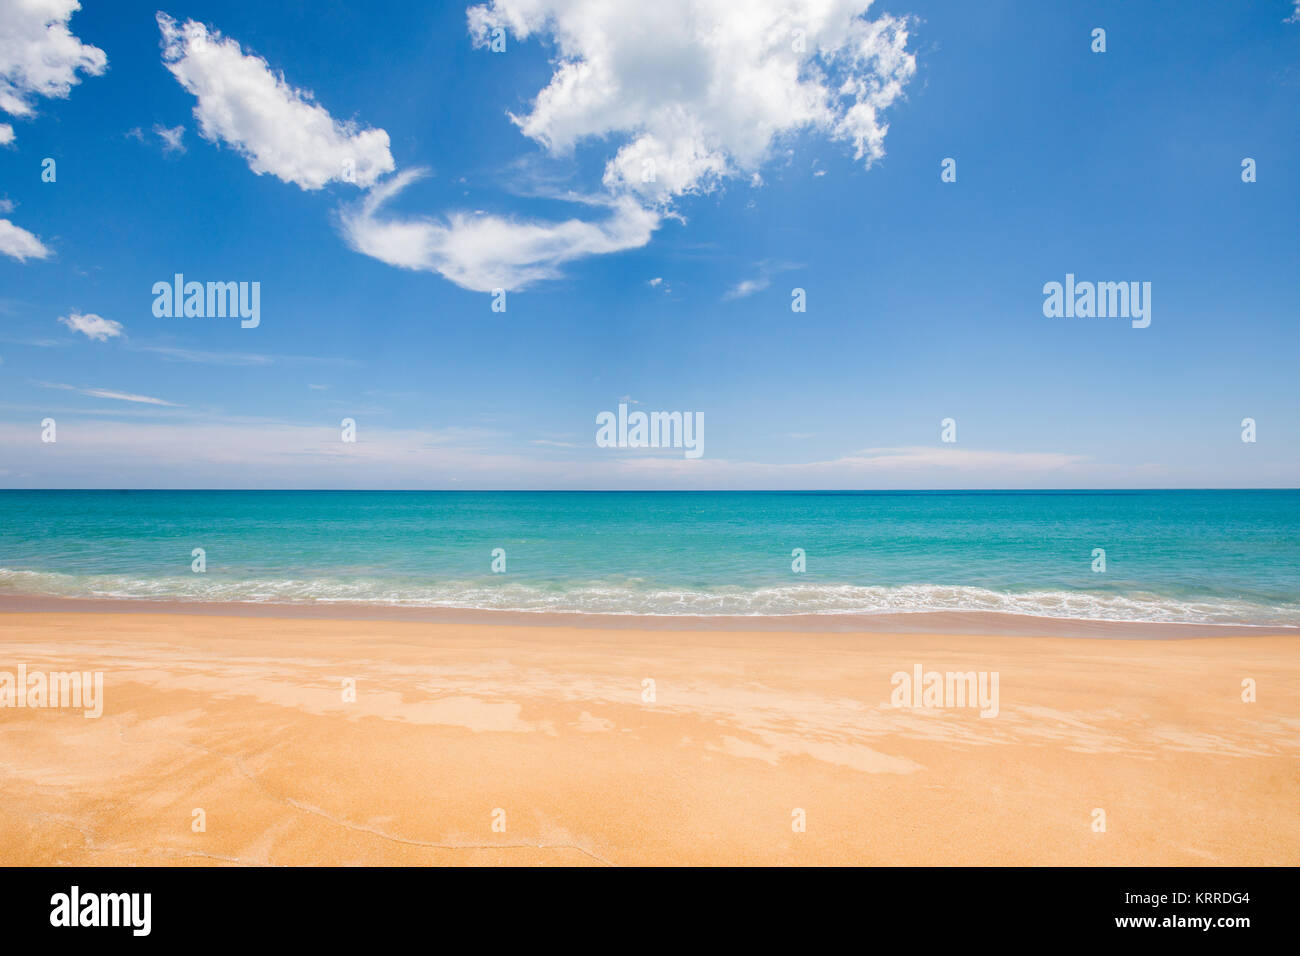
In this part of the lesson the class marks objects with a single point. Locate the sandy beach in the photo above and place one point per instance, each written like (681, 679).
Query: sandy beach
(279, 740)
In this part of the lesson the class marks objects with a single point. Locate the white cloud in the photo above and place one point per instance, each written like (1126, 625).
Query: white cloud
(279, 129)
(906, 467)
(109, 393)
(92, 326)
(39, 56)
(696, 91)
(965, 459)
(747, 287)
(20, 244)
(701, 90)
(171, 136)
(173, 354)
(488, 252)
(201, 357)
(766, 270)
(174, 448)
(1295, 15)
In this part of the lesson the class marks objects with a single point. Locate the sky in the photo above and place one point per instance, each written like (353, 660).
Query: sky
(474, 228)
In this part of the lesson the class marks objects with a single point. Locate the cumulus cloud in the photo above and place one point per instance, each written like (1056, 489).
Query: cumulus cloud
(702, 90)
(686, 93)
(694, 91)
(92, 326)
(482, 252)
(277, 128)
(39, 56)
(20, 244)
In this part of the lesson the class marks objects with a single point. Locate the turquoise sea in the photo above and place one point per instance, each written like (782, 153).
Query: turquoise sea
(1189, 556)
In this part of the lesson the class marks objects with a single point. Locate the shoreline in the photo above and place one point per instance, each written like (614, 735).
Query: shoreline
(974, 623)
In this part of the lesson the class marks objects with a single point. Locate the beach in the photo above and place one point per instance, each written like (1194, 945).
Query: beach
(283, 738)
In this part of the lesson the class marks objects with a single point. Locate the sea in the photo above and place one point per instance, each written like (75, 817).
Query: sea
(1229, 557)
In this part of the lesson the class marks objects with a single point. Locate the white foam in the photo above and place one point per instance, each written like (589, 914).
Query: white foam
(627, 598)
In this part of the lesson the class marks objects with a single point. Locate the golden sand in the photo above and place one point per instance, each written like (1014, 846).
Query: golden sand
(472, 744)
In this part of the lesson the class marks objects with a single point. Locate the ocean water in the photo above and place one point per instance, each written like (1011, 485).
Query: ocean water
(1186, 556)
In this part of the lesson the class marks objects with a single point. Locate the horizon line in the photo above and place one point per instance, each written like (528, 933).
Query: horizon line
(616, 491)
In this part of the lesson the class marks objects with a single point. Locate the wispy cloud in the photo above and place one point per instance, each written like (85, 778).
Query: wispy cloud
(747, 287)
(202, 357)
(950, 457)
(110, 394)
(201, 452)
(172, 137)
(207, 358)
(903, 467)
(766, 270)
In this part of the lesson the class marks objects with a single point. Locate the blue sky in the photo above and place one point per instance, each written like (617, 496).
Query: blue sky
(472, 170)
